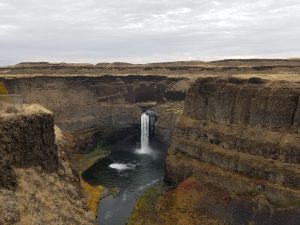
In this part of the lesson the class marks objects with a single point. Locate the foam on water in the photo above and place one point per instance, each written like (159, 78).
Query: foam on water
(122, 166)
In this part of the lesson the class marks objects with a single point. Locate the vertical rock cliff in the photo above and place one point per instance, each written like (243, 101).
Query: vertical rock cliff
(37, 183)
(238, 139)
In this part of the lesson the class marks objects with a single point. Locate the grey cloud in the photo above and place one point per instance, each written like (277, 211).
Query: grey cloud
(144, 30)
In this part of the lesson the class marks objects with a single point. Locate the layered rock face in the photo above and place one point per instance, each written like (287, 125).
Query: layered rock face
(239, 137)
(255, 102)
(83, 102)
(84, 96)
(230, 66)
(37, 183)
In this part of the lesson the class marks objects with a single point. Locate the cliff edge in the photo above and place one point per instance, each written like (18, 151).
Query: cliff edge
(37, 183)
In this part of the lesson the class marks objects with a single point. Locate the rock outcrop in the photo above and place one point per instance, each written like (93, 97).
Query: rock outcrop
(240, 138)
(26, 141)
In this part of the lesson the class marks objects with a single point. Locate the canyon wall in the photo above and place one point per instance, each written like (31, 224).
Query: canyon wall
(83, 102)
(37, 183)
(84, 96)
(239, 137)
(255, 102)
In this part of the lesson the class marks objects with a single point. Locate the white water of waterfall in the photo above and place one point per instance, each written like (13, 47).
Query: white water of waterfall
(145, 121)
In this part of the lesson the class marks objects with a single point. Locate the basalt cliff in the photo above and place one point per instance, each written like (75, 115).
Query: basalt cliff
(38, 184)
(238, 139)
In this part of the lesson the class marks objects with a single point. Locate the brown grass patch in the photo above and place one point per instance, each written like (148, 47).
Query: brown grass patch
(93, 195)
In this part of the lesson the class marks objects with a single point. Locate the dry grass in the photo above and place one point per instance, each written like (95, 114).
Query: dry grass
(177, 207)
(43, 198)
(35, 108)
(8, 108)
(3, 90)
(181, 206)
(93, 195)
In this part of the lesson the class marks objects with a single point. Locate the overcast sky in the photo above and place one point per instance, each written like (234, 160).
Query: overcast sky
(147, 30)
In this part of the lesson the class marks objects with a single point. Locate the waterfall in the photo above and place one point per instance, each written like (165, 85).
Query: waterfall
(145, 121)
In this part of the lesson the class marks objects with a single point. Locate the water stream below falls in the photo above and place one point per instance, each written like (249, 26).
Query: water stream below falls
(131, 171)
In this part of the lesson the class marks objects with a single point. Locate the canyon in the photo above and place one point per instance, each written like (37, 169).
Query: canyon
(232, 127)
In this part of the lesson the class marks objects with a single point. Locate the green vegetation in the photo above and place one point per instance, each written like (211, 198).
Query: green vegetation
(114, 191)
(145, 205)
(85, 161)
